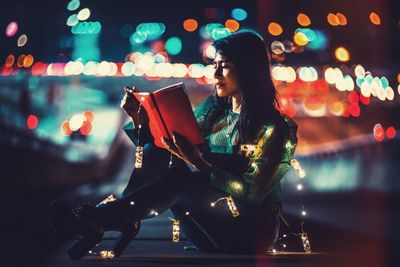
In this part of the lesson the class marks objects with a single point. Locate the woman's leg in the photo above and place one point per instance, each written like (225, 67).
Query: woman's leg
(214, 229)
(155, 163)
(152, 198)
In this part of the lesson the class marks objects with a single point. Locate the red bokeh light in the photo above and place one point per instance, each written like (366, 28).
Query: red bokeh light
(379, 133)
(38, 68)
(365, 100)
(32, 122)
(353, 97)
(354, 110)
(391, 132)
(86, 128)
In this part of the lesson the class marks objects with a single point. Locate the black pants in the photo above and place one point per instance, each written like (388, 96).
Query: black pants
(157, 187)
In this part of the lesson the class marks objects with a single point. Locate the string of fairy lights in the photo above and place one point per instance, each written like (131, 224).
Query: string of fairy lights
(151, 65)
(230, 202)
(247, 149)
(304, 238)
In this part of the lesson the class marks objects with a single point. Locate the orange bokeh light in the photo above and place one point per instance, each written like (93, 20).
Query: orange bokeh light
(333, 19)
(28, 61)
(65, 129)
(275, 29)
(374, 18)
(341, 18)
(336, 108)
(232, 25)
(342, 54)
(10, 61)
(300, 39)
(398, 78)
(303, 19)
(89, 115)
(190, 25)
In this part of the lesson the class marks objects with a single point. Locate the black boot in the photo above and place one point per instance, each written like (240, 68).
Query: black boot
(112, 219)
(66, 222)
(91, 222)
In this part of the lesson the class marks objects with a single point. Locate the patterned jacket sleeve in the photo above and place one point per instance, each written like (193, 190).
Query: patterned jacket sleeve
(269, 162)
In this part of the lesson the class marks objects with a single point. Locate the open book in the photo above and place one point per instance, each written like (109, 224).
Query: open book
(169, 110)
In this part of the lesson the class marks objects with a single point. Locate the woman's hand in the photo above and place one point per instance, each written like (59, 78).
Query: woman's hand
(181, 147)
(131, 105)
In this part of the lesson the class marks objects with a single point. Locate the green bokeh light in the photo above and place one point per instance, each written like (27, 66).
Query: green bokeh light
(212, 26)
(219, 33)
(138, 38)
(72, 20)
(239, 14)
(173, 45)
(73, 5)
(86, 28)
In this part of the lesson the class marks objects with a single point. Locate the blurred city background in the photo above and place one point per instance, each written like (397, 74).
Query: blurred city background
(335, 64)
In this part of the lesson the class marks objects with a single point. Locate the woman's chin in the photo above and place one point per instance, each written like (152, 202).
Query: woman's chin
(220, 92)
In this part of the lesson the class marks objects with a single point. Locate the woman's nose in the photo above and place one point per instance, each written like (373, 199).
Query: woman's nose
(217, 72)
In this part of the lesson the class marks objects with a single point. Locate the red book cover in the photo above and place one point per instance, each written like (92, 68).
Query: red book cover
(169, 110)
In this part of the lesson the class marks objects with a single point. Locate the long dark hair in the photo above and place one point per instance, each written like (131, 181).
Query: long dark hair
(248, 52)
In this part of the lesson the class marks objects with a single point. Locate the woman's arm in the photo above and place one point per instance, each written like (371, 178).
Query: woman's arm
(268, 163)
(138, 136)
(138, 129)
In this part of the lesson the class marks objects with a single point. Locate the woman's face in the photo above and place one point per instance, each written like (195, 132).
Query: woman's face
(225, 73)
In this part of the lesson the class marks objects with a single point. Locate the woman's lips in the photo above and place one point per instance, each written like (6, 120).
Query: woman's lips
(219, 84)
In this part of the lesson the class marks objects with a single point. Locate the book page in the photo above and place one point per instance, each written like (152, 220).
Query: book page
(176, 112)
(155, 124)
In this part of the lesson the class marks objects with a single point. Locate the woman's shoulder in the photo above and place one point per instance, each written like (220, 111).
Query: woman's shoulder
(205, 106)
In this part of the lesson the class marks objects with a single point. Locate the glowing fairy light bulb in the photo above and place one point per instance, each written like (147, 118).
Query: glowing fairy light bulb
(132, 203)
(139, 157)
(299, 187)
(108, 199)
(155, 213)
(107, 254)
(175, 230)
(306, 242)
(247, 149)
(232, 206)
(187, 213)
(139, 149)
(303, 213)
(296, 165)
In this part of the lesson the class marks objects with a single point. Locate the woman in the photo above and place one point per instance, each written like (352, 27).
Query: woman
(248, 149)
